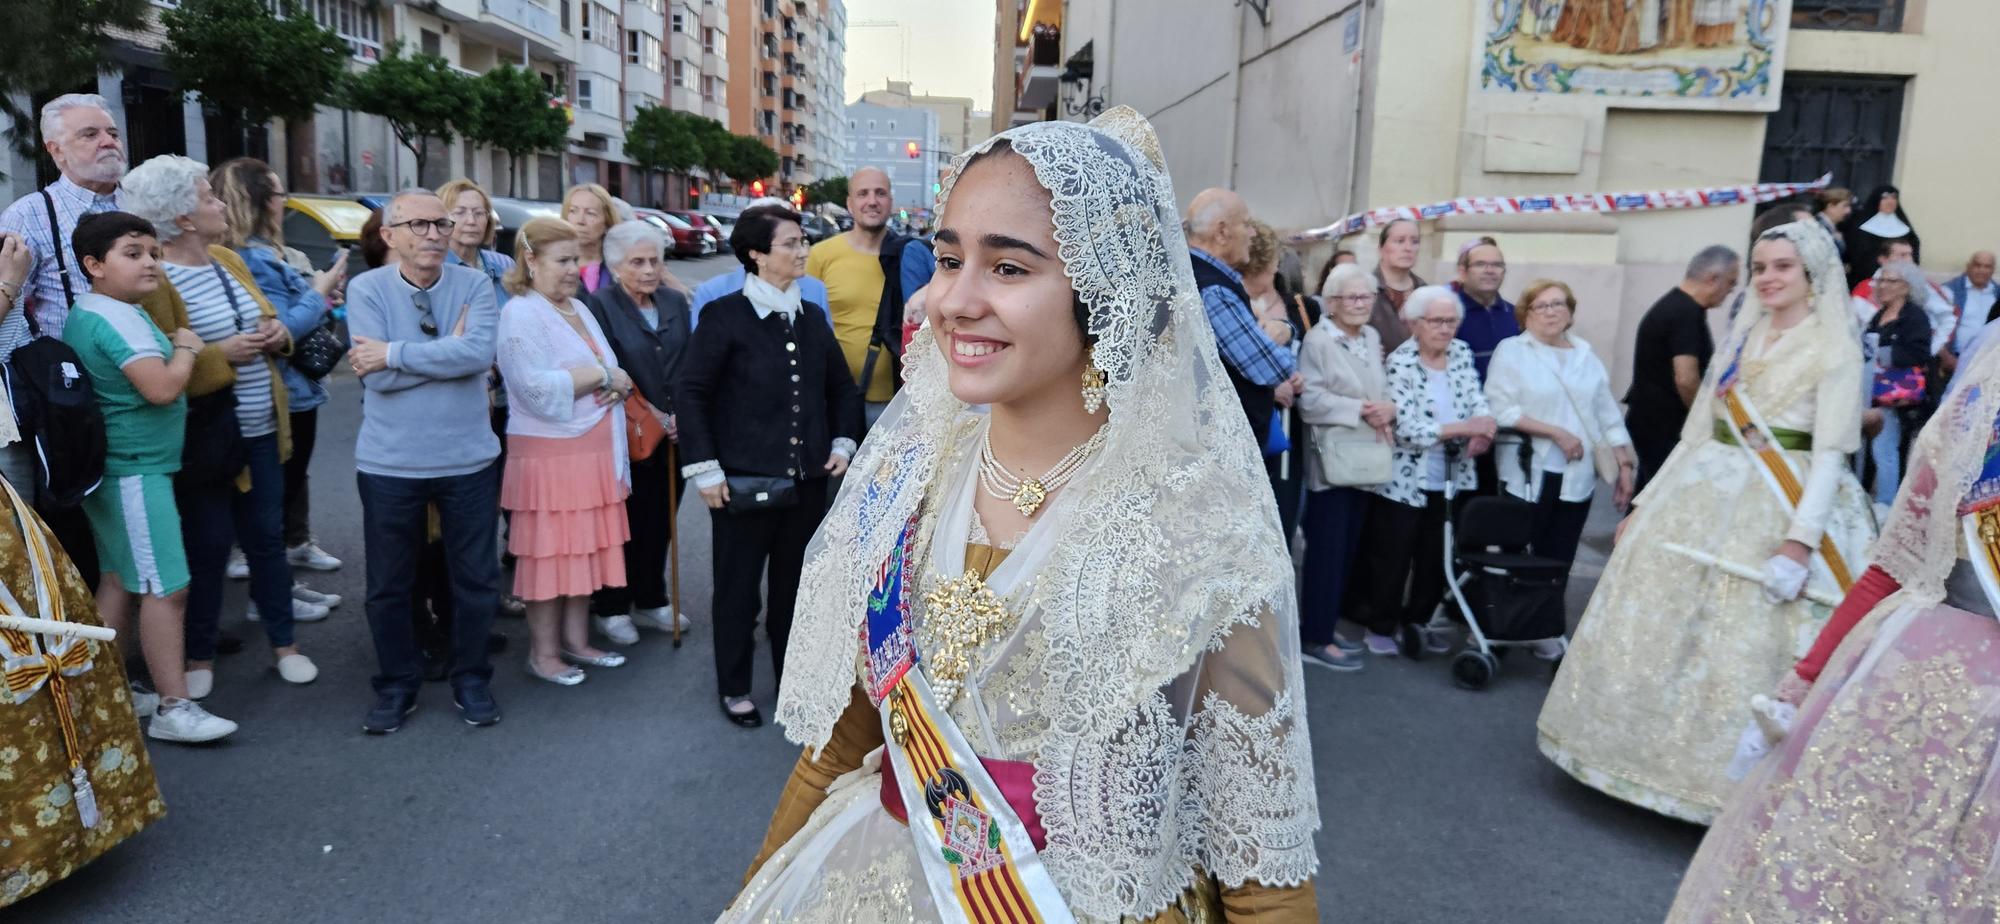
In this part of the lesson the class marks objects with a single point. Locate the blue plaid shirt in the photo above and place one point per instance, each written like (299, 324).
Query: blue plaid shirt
(29, 218)
(1243, 345)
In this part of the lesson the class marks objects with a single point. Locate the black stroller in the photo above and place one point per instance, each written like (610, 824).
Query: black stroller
(1509, 598)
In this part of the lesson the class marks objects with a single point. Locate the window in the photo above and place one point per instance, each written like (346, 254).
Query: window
(565, 16)
(871, 125)
(892, 125)
(600, 25)
(850, 124)
(642, 49)
(708, 84)
(681, 73)
(583, 95)
(680, 21)
(430, 42)
(708, 39)
(358, 25)
(1861, 15)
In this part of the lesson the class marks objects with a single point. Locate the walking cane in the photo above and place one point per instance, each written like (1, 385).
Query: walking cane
(674, 540)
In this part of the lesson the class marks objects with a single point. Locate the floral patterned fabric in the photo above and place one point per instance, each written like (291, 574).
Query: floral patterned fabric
(1417, 424)
(41, 839)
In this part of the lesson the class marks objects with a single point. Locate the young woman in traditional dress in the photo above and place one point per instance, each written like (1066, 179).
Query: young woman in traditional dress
(1883, 802)
(1105, 717)
(1649, 700)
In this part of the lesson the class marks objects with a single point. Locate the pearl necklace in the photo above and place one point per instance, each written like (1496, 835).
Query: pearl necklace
(1027, 495)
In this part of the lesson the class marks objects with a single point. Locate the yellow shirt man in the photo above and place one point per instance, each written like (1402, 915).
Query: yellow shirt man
(854, 287)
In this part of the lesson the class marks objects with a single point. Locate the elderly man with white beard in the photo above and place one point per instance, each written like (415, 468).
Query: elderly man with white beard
(83, 139)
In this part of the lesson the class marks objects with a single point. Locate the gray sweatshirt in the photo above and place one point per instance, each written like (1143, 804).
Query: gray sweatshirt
(426, 415)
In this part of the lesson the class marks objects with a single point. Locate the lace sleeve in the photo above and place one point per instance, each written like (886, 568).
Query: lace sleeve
(1248, 785)
(537, 384)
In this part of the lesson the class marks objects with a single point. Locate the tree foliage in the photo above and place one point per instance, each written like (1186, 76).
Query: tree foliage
(419, 95)
(516, 114)
(248, 62)
(832, 189)
(750, 160)
(664, 139)
(57, 46)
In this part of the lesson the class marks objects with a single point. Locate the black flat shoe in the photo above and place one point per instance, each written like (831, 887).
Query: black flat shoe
(751, 719)
(228, 644)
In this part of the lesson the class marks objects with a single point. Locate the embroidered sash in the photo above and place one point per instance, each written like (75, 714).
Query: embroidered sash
(30, 661)
(1979, 518)
(977, 856)
(1767, 456)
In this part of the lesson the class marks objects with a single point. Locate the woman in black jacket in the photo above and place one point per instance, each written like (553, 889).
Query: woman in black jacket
(1901, 331)
(767, 414)
(645, 316)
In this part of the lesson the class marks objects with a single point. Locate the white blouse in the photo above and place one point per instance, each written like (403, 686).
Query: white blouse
(1561, 387)
(536, 349)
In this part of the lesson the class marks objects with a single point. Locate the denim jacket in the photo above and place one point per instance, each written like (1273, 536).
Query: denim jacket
(299, 306)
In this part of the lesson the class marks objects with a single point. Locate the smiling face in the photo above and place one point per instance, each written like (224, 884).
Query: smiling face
(1001, 308)
(869, 198)
(1778, 274)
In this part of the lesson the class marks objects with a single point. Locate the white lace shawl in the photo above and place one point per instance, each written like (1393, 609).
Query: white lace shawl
(1176, 734)
(536, 349)
(1920, 542)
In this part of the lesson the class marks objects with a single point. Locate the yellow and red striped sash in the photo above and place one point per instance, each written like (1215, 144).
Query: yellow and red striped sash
(1772, 457)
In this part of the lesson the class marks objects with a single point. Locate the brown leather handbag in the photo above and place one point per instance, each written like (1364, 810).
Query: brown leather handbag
(643, 430)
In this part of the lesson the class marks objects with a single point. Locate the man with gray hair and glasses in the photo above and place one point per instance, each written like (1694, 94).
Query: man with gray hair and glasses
(423, 341)
(82, 138)
(1670, 355)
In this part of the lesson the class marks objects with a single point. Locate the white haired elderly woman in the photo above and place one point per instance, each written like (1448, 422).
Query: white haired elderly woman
(1441, 423)
(232, 479)
(1346, 403)
(645, 316)
(1900, 334)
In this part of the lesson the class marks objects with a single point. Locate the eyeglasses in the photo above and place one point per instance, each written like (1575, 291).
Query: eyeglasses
(1354, 299)
(1549, 307)
(425, 322)
(1486, 265)
(424, 227)
(1440, 323)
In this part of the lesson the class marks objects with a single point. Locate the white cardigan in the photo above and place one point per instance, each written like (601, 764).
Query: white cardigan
(536, 349)
(1528, 378)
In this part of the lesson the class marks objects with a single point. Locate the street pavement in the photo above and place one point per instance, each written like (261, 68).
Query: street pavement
(629, 798)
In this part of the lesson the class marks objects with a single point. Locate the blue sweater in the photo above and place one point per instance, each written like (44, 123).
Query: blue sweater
(426, 415)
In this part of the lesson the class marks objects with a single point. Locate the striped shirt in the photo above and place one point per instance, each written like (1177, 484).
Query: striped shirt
(211, 317)
(29, 218)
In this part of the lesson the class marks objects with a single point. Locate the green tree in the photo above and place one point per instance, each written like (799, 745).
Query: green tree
(251, 65)
(517, 114)
(57, 46)
(832, 189)
(750, 159)
(422, 98)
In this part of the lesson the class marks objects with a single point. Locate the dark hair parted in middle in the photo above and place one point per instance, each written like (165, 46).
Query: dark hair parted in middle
(98, 232)
(754, 230)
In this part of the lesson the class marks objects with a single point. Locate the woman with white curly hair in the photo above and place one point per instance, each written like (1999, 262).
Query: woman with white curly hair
(232, 478)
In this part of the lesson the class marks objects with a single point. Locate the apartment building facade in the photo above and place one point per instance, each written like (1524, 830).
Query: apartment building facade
(784, 60)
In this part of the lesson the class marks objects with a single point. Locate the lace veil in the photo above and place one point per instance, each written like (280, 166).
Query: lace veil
(1176, 733)
(1824, 341)
(1920, 542)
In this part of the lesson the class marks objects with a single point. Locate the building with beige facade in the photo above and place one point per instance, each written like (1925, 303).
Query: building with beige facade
(1314, 109)
(954, 114)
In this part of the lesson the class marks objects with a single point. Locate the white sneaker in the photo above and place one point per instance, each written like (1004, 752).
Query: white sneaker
(618, 629)
(144, 702)
(1550, 649)
(239, 569)
(662, 618)
(311, 557)
(301, 611)
(297, 668)
(186, 722)
(303, 594)
(200, 683)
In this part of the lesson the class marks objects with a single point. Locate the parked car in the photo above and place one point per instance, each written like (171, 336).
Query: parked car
(817, 228)
(513, 213)
(688, 241)
(718, 240)
(321, 226)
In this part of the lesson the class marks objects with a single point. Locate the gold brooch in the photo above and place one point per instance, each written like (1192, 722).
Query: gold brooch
(961, 616)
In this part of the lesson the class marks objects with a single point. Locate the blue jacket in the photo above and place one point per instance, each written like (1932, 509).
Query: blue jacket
(299, 306)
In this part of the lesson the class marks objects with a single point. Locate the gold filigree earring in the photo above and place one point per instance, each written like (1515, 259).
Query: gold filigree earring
(1093, 384)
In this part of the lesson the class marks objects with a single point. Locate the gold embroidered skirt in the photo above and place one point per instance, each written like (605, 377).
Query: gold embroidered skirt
(1657, 682)
(1883, 804)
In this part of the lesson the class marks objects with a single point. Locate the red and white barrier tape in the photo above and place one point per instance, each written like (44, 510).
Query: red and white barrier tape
(1655, 200)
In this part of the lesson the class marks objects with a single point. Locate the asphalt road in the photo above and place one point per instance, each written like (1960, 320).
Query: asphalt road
(630, 799)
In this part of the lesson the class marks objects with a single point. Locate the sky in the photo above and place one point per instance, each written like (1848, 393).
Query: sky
(943, 47)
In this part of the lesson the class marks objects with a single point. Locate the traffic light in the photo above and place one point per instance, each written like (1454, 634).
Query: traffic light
(799, 198)
(911, 149)
(757, 188)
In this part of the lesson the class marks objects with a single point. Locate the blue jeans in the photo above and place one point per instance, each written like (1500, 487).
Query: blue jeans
(1886, 449)
(215, 516)
(394, 526)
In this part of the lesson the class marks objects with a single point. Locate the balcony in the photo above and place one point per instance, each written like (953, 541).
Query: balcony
(642, 18)
(1036, 84)
(642, 79)
(1855, 15)
(505, 23)
(713, 62)
(594, 57)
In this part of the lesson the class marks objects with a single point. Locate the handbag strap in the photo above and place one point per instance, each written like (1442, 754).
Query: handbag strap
(1596, 438)
(62, 265)
(229, 292)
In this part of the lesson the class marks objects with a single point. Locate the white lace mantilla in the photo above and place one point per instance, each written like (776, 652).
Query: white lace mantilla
(1175, 728)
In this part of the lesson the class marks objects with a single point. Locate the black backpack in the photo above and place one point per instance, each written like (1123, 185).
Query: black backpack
(55, 405)
(59, 419)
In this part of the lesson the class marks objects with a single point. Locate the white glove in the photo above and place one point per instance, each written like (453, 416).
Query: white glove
(1770, 723)
(1783, 579)
(1751, 746)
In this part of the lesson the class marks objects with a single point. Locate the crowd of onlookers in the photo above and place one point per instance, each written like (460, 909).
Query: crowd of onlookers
(176, 352)
(1380, 399)
(564, 396)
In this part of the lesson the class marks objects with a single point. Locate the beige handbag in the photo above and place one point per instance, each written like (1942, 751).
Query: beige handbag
(1602, 457)
(1351, 457)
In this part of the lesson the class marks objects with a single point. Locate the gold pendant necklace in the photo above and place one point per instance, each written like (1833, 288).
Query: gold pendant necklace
(1028, 494)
